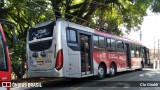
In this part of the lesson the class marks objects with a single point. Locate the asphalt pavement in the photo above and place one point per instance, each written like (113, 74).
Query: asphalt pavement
(147, 79)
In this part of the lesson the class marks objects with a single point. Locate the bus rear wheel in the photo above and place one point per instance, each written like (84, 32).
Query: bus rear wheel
(112, 70)
(101, 72)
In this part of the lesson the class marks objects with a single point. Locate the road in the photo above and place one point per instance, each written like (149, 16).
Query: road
(130, 80)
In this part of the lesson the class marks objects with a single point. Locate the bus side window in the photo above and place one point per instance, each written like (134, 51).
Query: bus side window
(109, 48)
(112, 45)
(120, 46)
(141, 52)
(137, 52)
(72, 39)
(95, 43)
(101, 43)
(71, 36)
(108, 42)
(98, 43)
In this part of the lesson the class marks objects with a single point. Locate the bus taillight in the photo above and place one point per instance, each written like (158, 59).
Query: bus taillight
(59, 60)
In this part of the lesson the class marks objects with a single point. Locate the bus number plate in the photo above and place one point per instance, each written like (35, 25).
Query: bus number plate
(40, 63)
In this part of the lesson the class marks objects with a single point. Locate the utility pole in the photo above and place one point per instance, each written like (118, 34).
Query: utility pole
(140, 35)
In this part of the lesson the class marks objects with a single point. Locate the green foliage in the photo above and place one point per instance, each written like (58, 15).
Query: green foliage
(155, 7)
(127, 13)
(17, 12)
(18, 57)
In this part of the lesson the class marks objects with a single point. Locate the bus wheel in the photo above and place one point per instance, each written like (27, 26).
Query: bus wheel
(101, 72)
(112, 70)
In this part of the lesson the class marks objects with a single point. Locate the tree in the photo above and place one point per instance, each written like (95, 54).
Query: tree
(128, 13)
(155, 6)
(18, 58)
(18, 12)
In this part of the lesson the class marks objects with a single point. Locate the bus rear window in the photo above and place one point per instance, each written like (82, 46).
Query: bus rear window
(41, 31)
(40, 46)
(2, 56)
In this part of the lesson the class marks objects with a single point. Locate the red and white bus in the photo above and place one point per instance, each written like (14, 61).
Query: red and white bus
(5, 64)
(65, 49)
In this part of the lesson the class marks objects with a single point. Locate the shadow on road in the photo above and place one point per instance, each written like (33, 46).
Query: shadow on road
(87, 82)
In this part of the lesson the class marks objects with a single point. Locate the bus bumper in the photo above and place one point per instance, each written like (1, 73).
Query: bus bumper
(44, 73)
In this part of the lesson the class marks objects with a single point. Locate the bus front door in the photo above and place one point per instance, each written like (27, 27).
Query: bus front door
(128, 54)
(85, 44)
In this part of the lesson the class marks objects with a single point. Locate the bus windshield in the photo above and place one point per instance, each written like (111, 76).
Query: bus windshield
(2, 56)
(41, 36)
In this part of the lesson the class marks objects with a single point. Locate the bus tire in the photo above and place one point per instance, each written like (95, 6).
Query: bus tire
(101, 72)
(112, 70)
